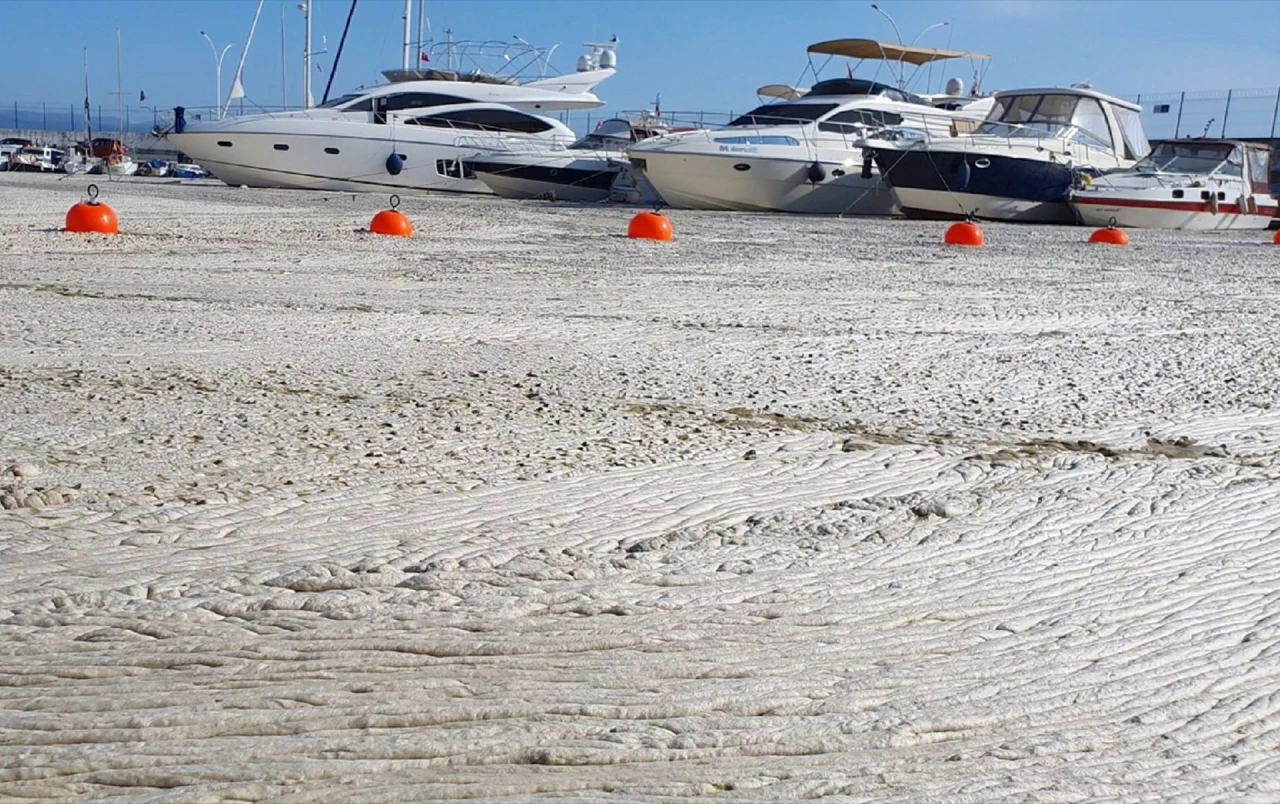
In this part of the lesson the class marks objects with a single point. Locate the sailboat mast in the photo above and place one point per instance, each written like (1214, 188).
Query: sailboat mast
(417, 57)
(408, 33)
(88, 122)
(119, 89)
(306, 59)
(284, 65)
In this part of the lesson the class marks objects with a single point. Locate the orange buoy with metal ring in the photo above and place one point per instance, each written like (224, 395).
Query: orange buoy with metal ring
(964, 233)
(391, 222)
(92, 216)
(1110, 236)
(649, 226)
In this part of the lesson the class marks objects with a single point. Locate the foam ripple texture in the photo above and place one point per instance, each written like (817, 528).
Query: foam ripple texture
(519, 509)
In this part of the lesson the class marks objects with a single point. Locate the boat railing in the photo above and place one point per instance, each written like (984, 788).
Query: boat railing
(513, 144)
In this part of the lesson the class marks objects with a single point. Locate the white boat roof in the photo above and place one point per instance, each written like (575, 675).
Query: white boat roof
(781, 91)
(887, 51)
(482, 92)
(1088, 93)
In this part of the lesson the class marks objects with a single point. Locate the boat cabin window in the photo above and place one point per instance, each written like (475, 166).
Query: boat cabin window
(855, 120)
(1131, 131)
(485, 120)
(1258, 160)
(1188, 156)
(783, 114)
(1077, 117)
(858, 86)
(344, 100)
(401, 101)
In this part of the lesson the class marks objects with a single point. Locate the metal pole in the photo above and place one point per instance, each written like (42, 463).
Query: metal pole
(306, 58)
(1178, 125)
(1273, 115)
(408, 33)
(284, 63)
(45, 114)
(1225, 112)
(15, 114)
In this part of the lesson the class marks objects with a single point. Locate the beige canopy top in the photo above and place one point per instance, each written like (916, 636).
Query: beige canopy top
(871, 49)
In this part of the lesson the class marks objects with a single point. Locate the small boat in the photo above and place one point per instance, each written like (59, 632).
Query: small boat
(1201, 184)
(154, 167)
(188, 170)
(78, 160)
(10, 146)
(594, 168)
(36, 159)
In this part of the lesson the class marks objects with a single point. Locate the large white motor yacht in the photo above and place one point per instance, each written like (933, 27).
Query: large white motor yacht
(1021, 163)
(409, 134)
(798, 152)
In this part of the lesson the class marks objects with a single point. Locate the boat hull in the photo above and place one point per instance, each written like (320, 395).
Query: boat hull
(584, 180)
(928, 183)
(1148, 211)
(762, 184)
(327, 162)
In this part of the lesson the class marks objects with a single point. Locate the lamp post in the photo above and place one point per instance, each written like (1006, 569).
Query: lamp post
(927, 30)
(217, 59)
(890, 19)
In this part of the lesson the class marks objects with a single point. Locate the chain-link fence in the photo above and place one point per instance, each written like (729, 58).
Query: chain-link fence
(1236, 113)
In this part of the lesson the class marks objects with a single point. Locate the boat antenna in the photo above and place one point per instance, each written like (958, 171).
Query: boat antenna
(334, 69)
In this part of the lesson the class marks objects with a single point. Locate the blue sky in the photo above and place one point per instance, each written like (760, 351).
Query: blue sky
(699, 54)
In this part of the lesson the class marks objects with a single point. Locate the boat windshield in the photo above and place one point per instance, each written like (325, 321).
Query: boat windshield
(610, 135)
(783, 114)
(1074, 117)
(336, 102)
(1193, 158)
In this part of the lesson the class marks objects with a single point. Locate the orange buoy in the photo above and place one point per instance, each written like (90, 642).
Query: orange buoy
(964, 233)
(92, 216)
(649, 226)
(390, 222)
(1110, 236)
(1276, 239)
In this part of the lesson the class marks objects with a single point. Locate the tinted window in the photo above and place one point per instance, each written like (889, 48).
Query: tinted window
(847, 86)
(417, 100)
(486, 120)
(849, 122)
(781, 114)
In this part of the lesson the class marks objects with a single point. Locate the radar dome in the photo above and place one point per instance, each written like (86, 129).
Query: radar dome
(608, 60)
(954, 86)
(584, 64)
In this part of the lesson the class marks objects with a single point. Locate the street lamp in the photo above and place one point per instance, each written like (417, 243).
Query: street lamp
(217, 58)
(927, 30)
(891, 22)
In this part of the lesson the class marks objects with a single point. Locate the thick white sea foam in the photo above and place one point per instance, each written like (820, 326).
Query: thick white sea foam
(522, 510)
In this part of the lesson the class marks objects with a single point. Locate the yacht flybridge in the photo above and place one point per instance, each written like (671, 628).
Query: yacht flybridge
(408, 134)
(798, 153)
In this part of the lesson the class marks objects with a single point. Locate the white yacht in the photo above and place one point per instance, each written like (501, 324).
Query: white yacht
(594, 168)
(1021, 163)
(798, 153)
(1199, 184)
(409, 134)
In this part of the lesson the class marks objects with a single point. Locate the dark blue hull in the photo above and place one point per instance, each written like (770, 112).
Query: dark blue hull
(1022, 183)
(575, 177)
